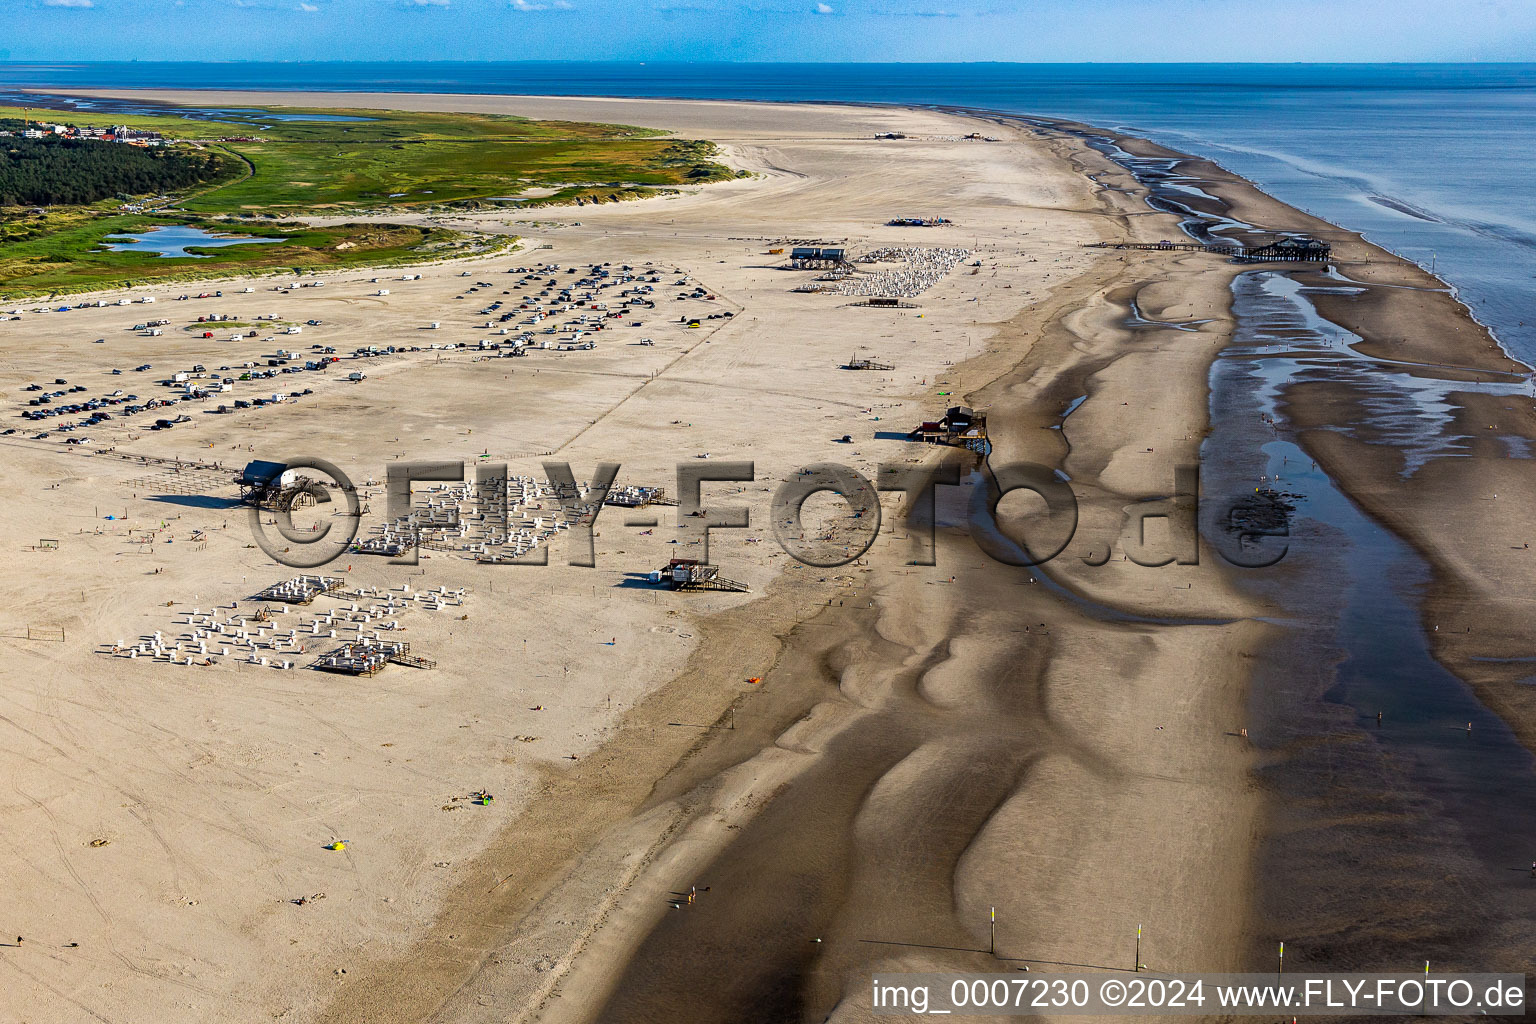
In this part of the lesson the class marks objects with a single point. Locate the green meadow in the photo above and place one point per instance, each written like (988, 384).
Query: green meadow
(61, 251)
(385, 162)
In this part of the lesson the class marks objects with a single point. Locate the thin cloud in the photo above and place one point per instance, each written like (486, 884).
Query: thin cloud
(823, 8)
(308, 8)
(527, 5)
(69, 3)
(430, 3)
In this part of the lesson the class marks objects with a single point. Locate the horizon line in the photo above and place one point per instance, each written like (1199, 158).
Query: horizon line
(809, 63)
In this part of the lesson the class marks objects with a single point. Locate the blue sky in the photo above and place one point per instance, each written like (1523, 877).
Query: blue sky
(702, 30)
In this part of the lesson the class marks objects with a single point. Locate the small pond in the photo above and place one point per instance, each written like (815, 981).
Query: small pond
(172, 241)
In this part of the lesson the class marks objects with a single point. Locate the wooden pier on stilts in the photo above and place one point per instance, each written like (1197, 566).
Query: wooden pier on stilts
(1286, 250)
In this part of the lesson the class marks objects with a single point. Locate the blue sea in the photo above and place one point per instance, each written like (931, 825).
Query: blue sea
(1433, 161)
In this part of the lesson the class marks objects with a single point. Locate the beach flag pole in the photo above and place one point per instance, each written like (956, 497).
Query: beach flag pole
(993, 950)
(1138, 949)
(1281, 969)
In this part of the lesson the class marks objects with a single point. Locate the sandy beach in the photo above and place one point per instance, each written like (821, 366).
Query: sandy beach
(847, 768)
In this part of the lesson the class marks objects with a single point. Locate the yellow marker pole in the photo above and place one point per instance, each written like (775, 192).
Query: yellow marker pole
(994, 930)
(1138, 949)
(1281, 969)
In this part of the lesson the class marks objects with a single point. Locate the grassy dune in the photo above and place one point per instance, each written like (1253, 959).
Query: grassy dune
(384, 161)
(64, 255)
(416, 159)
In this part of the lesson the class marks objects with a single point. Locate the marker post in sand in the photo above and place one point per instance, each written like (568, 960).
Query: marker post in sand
(1137, 964)
(1281, 968)
(993, 949)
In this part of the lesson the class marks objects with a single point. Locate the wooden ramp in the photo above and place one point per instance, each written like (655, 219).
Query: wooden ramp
(410, 660)
(706, 577)
(717, 583)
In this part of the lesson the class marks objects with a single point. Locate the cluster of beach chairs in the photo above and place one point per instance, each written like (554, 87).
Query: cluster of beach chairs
(368, 657)
(301, 589)
(472, 520)
(921, 269)
(260, 634)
